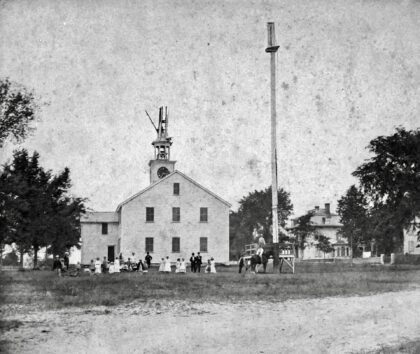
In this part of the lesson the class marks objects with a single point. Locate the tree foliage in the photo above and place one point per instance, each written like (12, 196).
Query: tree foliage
(392, 176)
(354, 212)
(37, 210)
(388, 198)
(17, 110)
(238, 235)
(303, 228)
(323, 243)
(255, 213)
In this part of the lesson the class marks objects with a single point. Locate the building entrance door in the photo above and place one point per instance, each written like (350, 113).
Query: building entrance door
(111, 253)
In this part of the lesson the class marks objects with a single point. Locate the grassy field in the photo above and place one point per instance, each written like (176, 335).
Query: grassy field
(45, 290)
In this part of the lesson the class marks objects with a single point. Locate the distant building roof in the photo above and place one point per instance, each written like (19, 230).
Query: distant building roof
(99, 216)
(331, 219)
(322, 212)
(168, 176)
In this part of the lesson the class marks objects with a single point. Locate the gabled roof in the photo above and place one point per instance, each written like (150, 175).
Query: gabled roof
(167, 177)
(99, 216)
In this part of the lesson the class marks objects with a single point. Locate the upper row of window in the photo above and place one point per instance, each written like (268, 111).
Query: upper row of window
(176, 214)
(176, 188)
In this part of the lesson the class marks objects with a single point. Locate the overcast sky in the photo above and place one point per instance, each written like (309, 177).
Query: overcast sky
(348, 71)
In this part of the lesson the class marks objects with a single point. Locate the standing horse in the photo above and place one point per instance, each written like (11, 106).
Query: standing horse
(256, 260)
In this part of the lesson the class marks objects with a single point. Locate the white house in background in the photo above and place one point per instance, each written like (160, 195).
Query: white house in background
(327, 224)
(412, 238)
(174, 216)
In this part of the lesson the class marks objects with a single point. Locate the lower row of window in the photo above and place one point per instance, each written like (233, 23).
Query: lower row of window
(176, 244)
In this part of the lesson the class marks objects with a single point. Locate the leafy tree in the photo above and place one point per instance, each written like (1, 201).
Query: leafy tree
(303, 228)
(392, 176)
(255, 211)
(386, 229)
(38, 212)
(238, 235)
(66, 225)
(391, 182)
(353, 209)
(12, 223)
(17, 110)
(323, 243)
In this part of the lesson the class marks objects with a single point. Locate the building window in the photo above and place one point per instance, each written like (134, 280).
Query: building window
(104, 228)
(149, 244)
(203, 244)
(176, 214)
(176, 244)
(176, 188)
(323, 220)
(347, 251)
(150, 214)
(203, 214)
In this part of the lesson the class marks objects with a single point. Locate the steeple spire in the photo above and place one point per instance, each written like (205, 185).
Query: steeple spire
(162, 144)
(161, 166)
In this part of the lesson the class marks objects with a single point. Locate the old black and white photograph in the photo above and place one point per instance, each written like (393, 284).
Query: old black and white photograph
(195, 176)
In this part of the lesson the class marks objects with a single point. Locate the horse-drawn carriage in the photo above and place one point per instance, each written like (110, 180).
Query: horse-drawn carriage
(252, 260)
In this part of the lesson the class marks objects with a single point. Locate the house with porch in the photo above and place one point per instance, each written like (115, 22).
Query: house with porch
(328, 224)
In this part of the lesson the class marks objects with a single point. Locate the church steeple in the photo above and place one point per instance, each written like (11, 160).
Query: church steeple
(161, 166)
(163, 143)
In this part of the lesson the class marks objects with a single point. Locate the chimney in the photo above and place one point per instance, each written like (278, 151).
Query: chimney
(316, 207)
(327, 208)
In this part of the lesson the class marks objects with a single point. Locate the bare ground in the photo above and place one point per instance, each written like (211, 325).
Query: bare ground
(329, 325)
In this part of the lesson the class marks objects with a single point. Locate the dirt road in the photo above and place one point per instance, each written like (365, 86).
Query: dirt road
(329, 325)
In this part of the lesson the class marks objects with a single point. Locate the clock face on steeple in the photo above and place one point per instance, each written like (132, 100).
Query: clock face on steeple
(162, 172)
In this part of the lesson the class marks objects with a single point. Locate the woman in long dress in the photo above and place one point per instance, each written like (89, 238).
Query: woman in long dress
(182, 266)
(207, 270)
(111, 268)
(212, 265)
(167, 265)
(162, 265)
(98, 266)
(117, 265)
(177, 265)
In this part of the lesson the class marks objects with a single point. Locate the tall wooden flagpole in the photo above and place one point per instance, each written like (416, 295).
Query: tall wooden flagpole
(272, 49)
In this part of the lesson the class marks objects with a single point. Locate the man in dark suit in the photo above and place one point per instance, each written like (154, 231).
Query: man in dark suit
(198, 262)
(148, 260)
(192, 262)
(57, 266)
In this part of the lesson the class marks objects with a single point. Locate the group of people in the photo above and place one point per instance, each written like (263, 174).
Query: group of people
(60, 265)
(181, 265)
(118, 265)
(133, 265)
(165, 265)
(196, 262)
